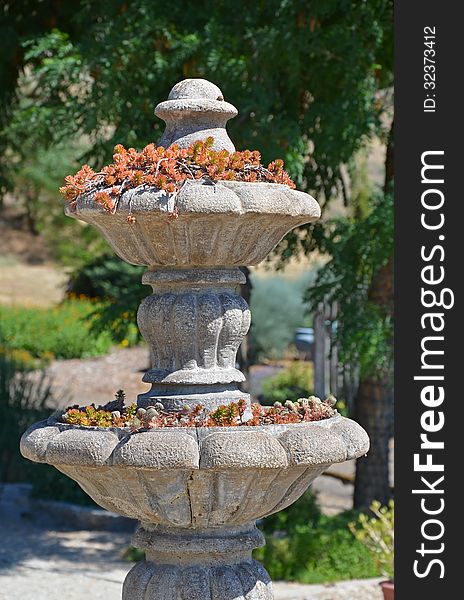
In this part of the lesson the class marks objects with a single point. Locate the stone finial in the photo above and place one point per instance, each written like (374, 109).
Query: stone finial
(195, 109)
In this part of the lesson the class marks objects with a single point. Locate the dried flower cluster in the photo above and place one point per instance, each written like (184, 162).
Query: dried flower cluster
(168, 169)
(114, 414)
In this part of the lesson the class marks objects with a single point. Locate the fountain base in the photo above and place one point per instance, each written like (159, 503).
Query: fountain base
(208, 564)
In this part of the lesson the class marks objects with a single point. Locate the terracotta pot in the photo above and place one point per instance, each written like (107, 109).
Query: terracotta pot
(388, 589)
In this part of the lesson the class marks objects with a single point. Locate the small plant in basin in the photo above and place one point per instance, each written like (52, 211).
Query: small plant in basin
(168, 169)
(116, 414)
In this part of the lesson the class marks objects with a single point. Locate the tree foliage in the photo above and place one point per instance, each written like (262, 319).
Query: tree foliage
(299, 72)
(308, 79)
(359, 249)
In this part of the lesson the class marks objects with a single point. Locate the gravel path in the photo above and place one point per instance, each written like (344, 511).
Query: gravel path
(39, 561)
(98, 379)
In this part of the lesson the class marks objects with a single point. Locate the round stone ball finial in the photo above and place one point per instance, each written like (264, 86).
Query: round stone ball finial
(196, 88)
(195, 110)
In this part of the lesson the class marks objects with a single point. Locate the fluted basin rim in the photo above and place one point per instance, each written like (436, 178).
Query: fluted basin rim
(317, 443)
(202, 196)
(229, 223)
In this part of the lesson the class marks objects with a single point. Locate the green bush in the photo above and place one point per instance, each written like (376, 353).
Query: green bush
(24, 398)
(61, 332)
(278, 309)
(22, 402)
(376, 533)
(109, 278)
(305, 546)
(50, 484)
(296, 381)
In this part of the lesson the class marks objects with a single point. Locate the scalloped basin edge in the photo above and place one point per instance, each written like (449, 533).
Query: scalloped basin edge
(229, 223)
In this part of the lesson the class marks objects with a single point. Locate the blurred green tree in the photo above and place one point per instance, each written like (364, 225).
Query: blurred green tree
(305, 75)
(311, 80)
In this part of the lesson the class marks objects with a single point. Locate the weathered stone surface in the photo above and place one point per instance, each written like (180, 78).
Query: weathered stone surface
(201, 565)
(76, 446)
(211, 477)
(246, 580)
(194, 323)
(176, 397)
(355, 439)
(324, 442)
(34, 441)
(216, 544)
(192, 332)
(230, 223)
(163, 449)
(267, 447)
(315, 446)
(242, 450)
(194, 110)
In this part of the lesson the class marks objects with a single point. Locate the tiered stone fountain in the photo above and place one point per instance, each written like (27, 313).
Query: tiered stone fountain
(197, 492)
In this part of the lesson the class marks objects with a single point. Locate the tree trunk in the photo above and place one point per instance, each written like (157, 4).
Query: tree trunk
(374, 400)
(31, 210)
(374, 409)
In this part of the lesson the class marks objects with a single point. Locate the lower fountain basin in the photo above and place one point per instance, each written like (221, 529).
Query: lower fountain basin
(196, 478)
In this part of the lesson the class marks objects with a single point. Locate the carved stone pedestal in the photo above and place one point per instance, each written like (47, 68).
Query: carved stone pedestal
(208, 564)
(194, 323)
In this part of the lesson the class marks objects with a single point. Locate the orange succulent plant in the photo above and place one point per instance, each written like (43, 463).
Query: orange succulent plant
(167, 169)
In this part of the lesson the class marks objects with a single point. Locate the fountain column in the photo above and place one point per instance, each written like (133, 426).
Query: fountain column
(194, 323)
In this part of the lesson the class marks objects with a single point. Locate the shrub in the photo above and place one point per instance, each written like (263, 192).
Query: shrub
(305, 546)
(62, 332)
(377, 534)
(22, 402)
(118, 283)
(50, 484)
(23, 359)
(106, 277)
(24, 398)
(278, 309)
(296, 381)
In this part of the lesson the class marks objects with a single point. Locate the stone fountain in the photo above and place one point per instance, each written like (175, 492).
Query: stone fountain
(197, 492)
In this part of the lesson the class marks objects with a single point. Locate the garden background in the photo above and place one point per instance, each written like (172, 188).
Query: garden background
(313, 84)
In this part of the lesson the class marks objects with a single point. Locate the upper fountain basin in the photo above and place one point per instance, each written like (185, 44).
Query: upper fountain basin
(229, 223)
